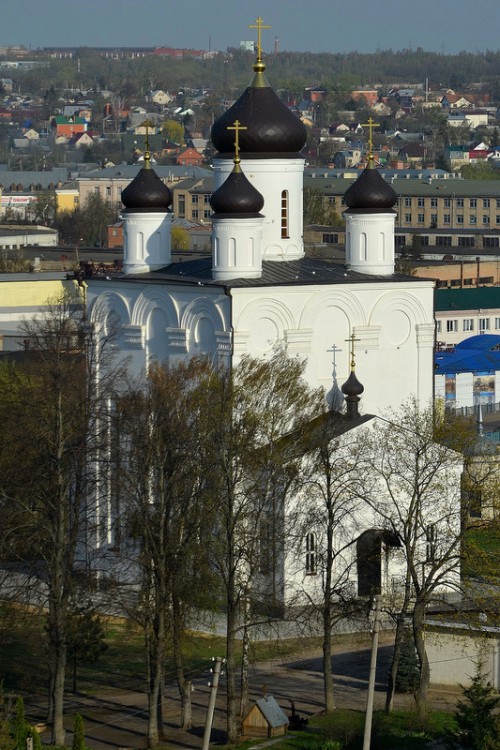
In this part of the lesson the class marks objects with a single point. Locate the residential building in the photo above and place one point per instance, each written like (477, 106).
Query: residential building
(462, 313)
(426, 203)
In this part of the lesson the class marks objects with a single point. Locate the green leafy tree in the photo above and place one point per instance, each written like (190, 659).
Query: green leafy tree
(180, 238)
(476, 717)
(173, 130)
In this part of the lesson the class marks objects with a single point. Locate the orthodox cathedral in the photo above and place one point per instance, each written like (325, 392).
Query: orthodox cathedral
(258, 287)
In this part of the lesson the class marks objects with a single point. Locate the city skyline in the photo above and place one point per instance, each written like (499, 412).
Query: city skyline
(328, 26)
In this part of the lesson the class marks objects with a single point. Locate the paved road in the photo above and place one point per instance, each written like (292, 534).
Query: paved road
(117, 718)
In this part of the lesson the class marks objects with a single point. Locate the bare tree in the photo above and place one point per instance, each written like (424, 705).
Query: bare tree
(162, 474)
(252, 409)
(413, 485)
(325, 529)
(48, 475)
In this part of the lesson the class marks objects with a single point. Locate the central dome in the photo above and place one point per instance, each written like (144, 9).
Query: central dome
(271, 129)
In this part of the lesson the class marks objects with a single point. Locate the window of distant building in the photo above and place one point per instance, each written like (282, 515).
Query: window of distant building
(460, 202)
(434, 202)
(438, 326)
(407, 202)
(491, 242)
(206, 198)
(451, 326)
(468, 324)
(195, 214)
(497, 219)
(420, 218)
(497, 324)
(206, 214)
(446, 219)
(407, 218)
(194, 199)
(447, 202)
(434, 218)
(460, 219)
(421, 202)
(486, 202)
(181, 205)
(330, 239)
(473, 219)
(443, 241)
(465, 242)
(486, 219)
(484, 325)
(473, 202)
(498, 202)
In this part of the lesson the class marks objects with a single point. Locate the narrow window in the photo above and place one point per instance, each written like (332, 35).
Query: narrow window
(284, 214)
(311, 553)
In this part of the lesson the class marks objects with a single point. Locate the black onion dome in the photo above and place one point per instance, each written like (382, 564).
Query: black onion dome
(352, 386)
(270, 126)
(147, 192)
(236, 195)
(370, 192)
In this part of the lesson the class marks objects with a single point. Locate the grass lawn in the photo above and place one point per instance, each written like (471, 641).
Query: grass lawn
(400, 729)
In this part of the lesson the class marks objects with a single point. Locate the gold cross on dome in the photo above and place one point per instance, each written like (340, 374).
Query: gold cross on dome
(259, 25)
(147, 153)
(237, 127)
(351, 341)
(370, 125)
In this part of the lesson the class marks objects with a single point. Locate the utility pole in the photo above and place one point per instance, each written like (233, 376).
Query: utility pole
(371, 679)
(211, 703)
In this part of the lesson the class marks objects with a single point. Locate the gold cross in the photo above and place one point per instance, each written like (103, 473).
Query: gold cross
(259, 25)
(237, 127)
(351, 341)
(370, 125)
(147, 154)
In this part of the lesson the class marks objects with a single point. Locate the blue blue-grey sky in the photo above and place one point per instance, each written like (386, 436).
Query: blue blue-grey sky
(313, 25)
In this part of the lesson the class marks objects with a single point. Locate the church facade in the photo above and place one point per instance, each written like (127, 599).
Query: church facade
(259, 288)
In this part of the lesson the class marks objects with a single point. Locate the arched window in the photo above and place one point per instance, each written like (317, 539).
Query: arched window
(284, 214)
(311, 567)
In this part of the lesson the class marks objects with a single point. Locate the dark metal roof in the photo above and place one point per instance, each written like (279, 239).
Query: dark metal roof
(146, 192)
(370, 191)
(271, 128)
(236, 196)
(306, 271)
(478, 298)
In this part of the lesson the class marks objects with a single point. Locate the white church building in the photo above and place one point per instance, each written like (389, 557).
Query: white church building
(259, 287)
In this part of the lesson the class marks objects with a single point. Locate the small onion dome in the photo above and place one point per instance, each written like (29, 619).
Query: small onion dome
(370, 192)
(271, 128)
(352, 386)
(236, 195)
(147, 192)
(352, 390)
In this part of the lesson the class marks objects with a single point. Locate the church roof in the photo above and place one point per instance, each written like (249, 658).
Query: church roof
(147, 192)
(370, 192)
(272, 130)
(305, 271)
(236, 197)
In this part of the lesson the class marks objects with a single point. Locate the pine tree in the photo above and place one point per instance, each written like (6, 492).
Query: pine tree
(20, 728)
(478, 726)
(78, 733)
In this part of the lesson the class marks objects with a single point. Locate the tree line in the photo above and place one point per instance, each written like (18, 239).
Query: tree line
(214, 490)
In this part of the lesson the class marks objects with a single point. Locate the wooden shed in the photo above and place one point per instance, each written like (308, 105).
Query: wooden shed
(265, 719)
